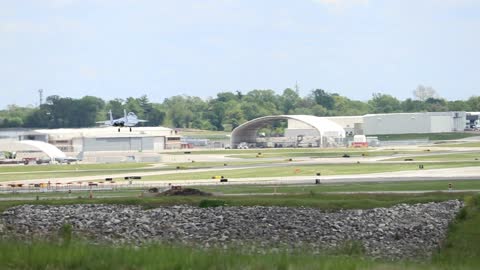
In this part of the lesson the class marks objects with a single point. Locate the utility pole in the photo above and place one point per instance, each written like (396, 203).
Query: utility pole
(297, 88)
(40, 93)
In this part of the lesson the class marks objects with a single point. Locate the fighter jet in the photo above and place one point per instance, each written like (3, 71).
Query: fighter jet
(129, 120)
(60, 159)
(68, 160)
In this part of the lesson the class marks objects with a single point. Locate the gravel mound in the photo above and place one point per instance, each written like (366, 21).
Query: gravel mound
(402, 231)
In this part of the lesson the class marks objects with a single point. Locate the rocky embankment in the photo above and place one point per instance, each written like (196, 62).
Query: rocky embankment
(402, 231)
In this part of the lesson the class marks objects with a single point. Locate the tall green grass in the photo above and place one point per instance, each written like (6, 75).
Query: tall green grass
(79, 255)
(461, 250)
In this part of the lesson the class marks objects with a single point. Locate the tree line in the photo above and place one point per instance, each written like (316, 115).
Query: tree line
(224, 112)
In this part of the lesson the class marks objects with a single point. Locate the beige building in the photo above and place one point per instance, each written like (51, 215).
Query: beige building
(105, 144)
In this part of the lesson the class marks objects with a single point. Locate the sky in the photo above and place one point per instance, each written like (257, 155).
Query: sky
(122, 48)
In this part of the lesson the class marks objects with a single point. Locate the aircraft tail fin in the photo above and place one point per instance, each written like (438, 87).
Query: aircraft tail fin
(111, 116)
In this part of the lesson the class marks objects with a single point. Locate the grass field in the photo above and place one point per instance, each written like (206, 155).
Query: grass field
(79, 255)
(460, 251)
(15, 173)
(310, 170)
(467, 144)
(347, 187)
(258, 189)
(292, 152)
(325, 154)
(72, 167)
(322, 201)
(442, 157)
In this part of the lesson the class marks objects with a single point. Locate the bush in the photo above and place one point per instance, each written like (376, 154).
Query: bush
(66, 233)
(462, 214)
(472, 201)
(211, 203)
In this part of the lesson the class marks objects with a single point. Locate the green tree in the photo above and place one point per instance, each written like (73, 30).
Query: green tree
(474, 103)
(410, 105)
(436, 105)
(381, 103)
(323, 98)
(458, 105)
(289, 101)
(116, 106)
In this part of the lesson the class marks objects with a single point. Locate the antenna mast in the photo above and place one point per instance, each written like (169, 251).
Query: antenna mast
(40, 93)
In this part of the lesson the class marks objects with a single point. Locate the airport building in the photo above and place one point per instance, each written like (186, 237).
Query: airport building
(302, 131)
(312, 131)
(98, 144)
(406, 123)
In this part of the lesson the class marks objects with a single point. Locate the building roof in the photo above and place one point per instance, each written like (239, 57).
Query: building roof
(15, 146)
(68, 133)
(248, 131)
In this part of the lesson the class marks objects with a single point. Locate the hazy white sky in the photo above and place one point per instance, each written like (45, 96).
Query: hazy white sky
(122, 48)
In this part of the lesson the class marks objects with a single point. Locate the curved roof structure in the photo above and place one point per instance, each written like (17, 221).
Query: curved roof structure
(247, 132)
(49, 149)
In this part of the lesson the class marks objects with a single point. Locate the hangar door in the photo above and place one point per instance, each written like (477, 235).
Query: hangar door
(119, 144)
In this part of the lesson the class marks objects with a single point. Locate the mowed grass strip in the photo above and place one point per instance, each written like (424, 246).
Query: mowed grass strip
(310, 170)
(118, 169)
(71, 167)
(347, 187)
(322, 201)
(474, 156)
(260, 189)
(325, 154)
(296, 152)
(467, 144)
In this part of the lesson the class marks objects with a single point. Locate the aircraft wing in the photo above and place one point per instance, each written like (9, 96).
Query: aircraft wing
(142, 121)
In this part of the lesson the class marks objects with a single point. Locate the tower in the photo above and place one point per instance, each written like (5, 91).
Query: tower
(40, 93)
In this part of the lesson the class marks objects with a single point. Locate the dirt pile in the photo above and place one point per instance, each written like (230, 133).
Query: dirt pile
(184, 192)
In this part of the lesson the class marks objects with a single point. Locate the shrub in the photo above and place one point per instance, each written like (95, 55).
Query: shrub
(66, 233)
(462, 214)
(211, 203)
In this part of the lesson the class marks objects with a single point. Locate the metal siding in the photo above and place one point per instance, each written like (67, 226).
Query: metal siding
(147, 144)
(159, 144)
(106, 144)
(136, 144)
(122, 144)
(441, 124)
(396, 124)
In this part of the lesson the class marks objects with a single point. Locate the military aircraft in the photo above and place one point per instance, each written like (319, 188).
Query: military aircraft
(128, 120)
(68, 160)
(60, 159)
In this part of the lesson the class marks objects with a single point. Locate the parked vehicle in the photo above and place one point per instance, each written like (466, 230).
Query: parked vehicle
(242, 145)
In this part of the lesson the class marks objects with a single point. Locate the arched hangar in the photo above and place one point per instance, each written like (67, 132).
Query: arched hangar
(30, 148)
(302, 130)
